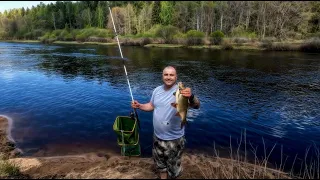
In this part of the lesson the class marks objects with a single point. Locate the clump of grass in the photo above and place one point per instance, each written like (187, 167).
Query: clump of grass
(8, 170)
(237, 166)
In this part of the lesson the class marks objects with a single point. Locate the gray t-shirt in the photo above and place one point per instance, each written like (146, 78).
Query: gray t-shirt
(167, 126)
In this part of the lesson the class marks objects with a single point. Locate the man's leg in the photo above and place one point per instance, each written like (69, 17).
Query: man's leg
(175, 158)
(159, 158)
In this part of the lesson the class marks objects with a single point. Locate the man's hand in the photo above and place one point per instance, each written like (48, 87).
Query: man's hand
(186, 92)
(135, 104)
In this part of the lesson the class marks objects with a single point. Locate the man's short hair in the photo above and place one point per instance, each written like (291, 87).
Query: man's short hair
(170, 67)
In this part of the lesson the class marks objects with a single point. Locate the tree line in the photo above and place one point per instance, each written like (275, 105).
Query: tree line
(256, 19)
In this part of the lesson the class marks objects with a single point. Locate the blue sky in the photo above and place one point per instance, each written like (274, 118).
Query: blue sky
(6, 5)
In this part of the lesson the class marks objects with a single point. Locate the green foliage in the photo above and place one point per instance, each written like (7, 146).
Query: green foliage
(56, 33)
(8, 170)
(154, 30)
(166, 12)
(3, 34)
(68, 37)
(81, 37)
(315, 17)
(240, 31)
(45, 37)
(144, 35)
(180, 35)
(194, 37)
(35, 34)
(195, 33)
(74, 33)
(301, 19)
(94, 32)
(216, 37)
(52, 36)
(155, 19)
(167, 33)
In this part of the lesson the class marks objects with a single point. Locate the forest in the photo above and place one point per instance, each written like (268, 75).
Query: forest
(169, 20)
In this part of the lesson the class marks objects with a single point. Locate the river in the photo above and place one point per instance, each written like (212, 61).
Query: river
(69, 94)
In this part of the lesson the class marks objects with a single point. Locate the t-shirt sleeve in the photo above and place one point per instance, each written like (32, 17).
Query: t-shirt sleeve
(152, 97)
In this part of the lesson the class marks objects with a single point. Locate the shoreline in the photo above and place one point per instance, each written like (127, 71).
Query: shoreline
(103, 164)
(7, 143)
(284, 46)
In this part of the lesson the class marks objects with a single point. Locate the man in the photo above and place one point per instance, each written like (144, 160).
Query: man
(168, 139)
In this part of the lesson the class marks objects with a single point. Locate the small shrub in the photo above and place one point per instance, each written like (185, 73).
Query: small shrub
(216, 37)
(85, 34)
(63, 34)
(194, 37)
(226, 46)
(252, 35)
(179, 35)
(45, 37)
(81, 37)
(154, 29)
(52, 36)
(68, 37)
(57, 32)
(167, 33)
(74, 33)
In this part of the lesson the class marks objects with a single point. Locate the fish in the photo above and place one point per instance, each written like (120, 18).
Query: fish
(181, 104)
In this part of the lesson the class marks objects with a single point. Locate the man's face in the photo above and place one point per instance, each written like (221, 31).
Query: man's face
(169, 76)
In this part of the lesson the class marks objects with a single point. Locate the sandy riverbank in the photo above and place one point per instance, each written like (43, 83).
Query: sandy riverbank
(104, 164)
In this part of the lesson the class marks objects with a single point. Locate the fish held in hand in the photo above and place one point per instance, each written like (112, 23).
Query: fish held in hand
(181, 104)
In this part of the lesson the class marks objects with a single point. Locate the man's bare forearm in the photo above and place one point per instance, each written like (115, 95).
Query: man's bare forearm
(146, 107)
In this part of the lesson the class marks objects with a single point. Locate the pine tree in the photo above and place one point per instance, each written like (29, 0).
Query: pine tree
(155, 19)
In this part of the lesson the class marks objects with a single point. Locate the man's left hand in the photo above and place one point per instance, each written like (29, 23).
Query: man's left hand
(186, 92)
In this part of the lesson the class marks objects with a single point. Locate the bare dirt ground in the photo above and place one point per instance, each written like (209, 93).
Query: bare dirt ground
(103, 164)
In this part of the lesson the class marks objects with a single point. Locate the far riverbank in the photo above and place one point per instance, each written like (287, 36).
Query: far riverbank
(297, 45)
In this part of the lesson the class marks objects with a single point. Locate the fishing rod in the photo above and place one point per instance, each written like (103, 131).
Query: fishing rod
(124, 66)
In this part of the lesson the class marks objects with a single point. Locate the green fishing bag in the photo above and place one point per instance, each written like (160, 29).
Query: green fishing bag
(127, 132)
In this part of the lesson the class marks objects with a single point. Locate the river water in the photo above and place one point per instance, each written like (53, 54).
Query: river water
(69, 94)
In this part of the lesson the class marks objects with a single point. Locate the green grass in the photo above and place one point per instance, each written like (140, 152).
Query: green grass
(8, 170)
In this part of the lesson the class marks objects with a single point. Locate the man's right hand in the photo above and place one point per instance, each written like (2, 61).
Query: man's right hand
(135, 104)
